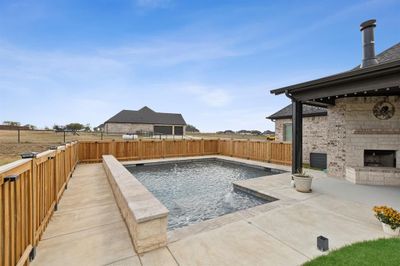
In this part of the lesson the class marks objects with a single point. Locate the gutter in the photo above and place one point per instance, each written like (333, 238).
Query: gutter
(362, 73)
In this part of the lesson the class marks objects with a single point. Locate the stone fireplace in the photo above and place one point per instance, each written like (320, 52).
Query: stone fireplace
(363, 144)
(380, 158)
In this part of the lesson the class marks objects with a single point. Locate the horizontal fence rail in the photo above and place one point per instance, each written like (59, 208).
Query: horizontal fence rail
(29, 192)
(274, 152)
(92, 151)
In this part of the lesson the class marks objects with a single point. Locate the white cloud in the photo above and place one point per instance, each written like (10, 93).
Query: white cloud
(172, 51)
(211, 97)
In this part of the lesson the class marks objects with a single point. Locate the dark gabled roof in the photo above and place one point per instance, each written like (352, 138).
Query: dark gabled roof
(308, 111)
(387, 61)
(389, 55)
(147, 116)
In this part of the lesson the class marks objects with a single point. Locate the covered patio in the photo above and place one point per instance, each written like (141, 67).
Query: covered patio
(363, 116)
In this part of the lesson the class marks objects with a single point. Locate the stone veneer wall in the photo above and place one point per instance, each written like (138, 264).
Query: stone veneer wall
(122, 128)
(346, 146)
(127, 128)
(314, 134)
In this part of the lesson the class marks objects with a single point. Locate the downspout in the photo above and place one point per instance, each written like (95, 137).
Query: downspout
(289, 95)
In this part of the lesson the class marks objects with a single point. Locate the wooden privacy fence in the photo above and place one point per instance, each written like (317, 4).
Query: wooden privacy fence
(30, 190)
(92, 151)
(274, 152)
(266, 151)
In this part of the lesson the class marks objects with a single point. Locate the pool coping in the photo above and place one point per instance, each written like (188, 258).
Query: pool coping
(221, 157)
(144, 215)
(279, 199)
(237, 185)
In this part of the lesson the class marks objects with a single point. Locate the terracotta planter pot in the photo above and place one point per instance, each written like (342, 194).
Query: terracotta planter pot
(302, 183)
(389, 231)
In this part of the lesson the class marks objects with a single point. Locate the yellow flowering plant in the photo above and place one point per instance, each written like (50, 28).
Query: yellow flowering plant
(388, 216)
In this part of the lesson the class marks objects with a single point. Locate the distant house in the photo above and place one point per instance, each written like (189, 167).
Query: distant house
(314, 128)
(145, 120)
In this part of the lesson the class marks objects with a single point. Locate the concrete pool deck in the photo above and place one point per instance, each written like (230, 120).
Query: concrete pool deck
(88, 228)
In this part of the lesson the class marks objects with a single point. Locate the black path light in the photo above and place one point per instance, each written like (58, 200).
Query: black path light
(322, 243)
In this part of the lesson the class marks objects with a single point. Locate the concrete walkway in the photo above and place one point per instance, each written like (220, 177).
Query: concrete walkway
(88, 228)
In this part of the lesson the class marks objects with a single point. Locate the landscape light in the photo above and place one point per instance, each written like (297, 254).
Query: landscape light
(322, 243)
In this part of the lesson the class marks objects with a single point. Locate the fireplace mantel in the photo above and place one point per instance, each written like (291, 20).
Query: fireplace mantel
(377, 131)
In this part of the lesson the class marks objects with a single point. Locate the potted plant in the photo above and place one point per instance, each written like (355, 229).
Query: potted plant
(302, 182)
(390, 219)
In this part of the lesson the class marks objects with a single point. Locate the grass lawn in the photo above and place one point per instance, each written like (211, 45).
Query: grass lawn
(375, 252)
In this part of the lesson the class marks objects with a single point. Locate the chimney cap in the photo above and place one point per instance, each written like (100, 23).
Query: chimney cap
(368, 23)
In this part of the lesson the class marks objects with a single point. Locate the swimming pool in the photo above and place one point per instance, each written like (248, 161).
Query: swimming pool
(199, 190)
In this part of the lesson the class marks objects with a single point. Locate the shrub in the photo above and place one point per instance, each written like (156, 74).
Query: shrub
(388, 216)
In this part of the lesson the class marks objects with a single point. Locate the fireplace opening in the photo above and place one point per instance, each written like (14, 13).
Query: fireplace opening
(379, 158)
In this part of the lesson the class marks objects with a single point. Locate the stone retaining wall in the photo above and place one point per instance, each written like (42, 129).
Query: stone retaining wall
(145, 216)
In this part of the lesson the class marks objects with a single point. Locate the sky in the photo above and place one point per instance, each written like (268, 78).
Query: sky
(64, 61)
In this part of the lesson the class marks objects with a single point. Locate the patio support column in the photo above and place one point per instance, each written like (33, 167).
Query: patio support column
(297, 136)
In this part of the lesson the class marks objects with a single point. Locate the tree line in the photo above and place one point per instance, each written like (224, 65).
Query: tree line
(67, 127)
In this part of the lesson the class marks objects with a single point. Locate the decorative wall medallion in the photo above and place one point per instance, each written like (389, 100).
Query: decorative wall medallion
(383, 110)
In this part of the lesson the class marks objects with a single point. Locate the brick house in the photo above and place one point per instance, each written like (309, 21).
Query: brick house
(314, 132)
(363, 116)
(145, 120)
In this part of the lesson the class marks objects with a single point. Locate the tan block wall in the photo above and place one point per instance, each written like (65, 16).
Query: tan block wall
(314, 134)
(127, 128)
(145, 216)
(345, 147)
(124, 128)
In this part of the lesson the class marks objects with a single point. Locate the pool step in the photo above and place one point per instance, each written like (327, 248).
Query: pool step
(237, 187)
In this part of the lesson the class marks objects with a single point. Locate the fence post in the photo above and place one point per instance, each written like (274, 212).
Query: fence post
(19, 136)
(185, 147)
(162, 148)
(268, 151)
(33, 206)
(231, 147)
(248, 149)
(140, 151)
(202, 146)
(113, 149)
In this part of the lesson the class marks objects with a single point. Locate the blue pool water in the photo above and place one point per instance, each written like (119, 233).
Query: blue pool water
(198, 190)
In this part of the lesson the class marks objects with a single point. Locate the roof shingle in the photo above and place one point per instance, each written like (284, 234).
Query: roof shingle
(388, 55)
(147, 116)
(308, 111)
